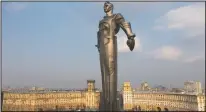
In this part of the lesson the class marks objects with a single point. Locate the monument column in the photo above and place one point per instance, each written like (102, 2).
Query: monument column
(107, 46)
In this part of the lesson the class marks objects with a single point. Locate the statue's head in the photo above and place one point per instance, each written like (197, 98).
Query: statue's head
(108, 7)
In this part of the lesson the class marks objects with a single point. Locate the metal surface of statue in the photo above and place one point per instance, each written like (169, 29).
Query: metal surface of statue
(107, 46)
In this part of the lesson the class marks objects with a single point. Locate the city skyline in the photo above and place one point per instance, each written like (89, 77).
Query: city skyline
(139, 86)
(40, 39)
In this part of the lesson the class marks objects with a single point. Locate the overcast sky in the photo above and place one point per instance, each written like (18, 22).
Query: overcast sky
(51, 44)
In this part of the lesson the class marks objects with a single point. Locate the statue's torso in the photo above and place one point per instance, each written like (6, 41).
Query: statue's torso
(108, 26)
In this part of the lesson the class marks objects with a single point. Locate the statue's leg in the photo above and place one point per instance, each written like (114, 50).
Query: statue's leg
(105, 72)
(107, 79)
(102, 65)
(114, 75)
(112, 66)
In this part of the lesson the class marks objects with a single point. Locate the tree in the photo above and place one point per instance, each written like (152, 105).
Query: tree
(56, 107)
(139, 108)
(40, 109)
(158, 109)
(166, 109)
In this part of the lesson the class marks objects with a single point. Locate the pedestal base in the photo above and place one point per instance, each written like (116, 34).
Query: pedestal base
(104, 107)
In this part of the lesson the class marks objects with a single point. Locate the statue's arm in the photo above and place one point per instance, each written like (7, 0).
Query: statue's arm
(126, 26)
(98, 41)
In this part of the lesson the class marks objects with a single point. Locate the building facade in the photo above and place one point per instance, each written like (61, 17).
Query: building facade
(156, 101)
(201, 102)
(52, 100)
(89, 98)
(127, 96)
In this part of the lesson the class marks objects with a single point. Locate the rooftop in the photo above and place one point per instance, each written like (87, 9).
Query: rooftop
(48, 91)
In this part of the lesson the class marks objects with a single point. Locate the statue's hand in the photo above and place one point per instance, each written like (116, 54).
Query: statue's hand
(131, 43)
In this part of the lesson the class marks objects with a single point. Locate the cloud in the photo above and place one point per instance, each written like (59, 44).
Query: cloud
(15, 6)
(167, 53)
(189, 19)
(194, 58)
(122, 46)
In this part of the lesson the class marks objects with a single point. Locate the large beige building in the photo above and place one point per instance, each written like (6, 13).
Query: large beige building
(161, 100)
(201, 102)
(41, 99)
(52, 100)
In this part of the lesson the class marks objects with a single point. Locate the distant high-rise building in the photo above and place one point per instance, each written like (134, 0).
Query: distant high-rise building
(33, 88)
(145, 86)
(159, 88)
(193, 86)
(189, 86)
(198, 88)
(91, 85)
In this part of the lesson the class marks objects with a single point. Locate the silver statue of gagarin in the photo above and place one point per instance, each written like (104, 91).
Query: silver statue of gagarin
(107, 46)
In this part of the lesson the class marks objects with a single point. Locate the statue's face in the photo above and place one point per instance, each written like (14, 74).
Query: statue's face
(107, 7)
